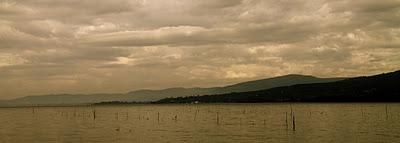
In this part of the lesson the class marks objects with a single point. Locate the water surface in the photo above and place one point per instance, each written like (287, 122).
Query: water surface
(350, 122)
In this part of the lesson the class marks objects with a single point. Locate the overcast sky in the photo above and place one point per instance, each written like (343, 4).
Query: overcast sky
(90, 46)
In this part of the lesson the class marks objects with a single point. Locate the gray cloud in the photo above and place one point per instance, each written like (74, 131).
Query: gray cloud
(86, 46)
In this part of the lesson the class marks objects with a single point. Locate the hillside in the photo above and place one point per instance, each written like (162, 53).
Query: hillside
(286, 80)
(378, 88)
(154, 95)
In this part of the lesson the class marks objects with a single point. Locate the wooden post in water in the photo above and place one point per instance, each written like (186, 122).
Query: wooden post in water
(386, 108)
(217, 118)
(195, 115)
(158, 117)
(291, 110)
(362, 112)
(94, 114)
(287, 125)
(294, 122)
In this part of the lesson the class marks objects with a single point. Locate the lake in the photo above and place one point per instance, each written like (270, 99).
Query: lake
(269, 122)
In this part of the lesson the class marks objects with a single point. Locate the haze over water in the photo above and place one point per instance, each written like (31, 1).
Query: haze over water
(346, 122)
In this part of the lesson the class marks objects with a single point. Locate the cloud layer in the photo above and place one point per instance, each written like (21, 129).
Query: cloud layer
(85, 46)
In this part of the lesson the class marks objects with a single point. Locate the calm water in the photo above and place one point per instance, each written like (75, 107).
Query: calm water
(353, 122)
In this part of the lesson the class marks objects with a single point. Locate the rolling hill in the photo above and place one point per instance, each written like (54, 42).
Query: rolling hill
(154, 95)
(378, 88)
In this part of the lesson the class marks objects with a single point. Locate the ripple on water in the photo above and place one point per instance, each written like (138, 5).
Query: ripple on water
(203, 123)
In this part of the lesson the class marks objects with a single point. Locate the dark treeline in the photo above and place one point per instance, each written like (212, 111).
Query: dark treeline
(115, 103)
(378, 88)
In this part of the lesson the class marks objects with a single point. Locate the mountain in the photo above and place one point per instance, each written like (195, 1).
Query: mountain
(286, 80)
(154, 95)
(378, 88)
(64, 99)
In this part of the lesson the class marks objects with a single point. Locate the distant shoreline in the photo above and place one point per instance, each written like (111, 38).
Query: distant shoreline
(382, 88)
(222, 103)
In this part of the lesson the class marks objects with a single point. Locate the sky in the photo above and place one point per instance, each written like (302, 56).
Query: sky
(105, 46)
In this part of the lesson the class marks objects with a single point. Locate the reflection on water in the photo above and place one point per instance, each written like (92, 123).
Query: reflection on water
(353, 122)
